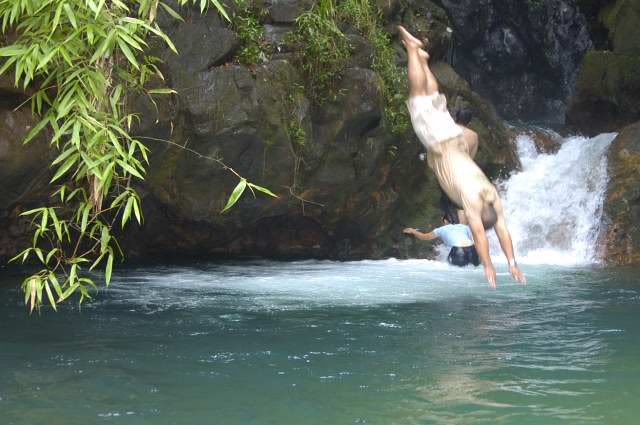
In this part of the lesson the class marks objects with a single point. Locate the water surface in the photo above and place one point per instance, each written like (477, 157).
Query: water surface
(373, 342)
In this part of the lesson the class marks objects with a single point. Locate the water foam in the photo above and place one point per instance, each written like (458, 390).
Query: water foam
(554, 205)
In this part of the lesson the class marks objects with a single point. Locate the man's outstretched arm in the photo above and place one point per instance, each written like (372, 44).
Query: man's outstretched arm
(420, 235)
(506, 244)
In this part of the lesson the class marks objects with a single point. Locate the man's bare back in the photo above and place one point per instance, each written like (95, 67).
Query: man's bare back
(451, 149)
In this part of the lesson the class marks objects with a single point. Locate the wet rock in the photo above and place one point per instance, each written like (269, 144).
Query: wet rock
(608, 86)
(202, 41)
(24, 173)
(276, 37)
(545, 140)
(607, 92)
(218, 102)
(621, 19)
(621, 239)
(523, 56)
(286, 11)
(363, 52)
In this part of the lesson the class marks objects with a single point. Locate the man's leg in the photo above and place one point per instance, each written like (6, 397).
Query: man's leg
(432, 82)
(418, 82)
(469, 136)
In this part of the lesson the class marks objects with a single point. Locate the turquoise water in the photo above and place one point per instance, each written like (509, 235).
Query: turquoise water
(374, 342)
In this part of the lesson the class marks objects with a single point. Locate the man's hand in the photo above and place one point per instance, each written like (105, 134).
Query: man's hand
(517, 274)
(409, 231)
(490, 273)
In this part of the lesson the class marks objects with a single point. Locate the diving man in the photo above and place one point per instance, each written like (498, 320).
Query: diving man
(451, 149)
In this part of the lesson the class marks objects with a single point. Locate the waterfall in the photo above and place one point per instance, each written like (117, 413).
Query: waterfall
(554, 204)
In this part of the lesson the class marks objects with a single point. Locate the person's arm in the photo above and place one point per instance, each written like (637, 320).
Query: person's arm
(482, 246)
(506, 244)
(420, 235)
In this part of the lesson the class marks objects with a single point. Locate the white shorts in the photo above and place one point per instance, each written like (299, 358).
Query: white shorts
(431, 119)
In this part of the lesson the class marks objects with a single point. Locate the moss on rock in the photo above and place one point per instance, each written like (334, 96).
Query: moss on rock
(621, 241)
(607, 92)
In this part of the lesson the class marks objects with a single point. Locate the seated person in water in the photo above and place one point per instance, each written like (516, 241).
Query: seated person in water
(451, 149)
(457, 236)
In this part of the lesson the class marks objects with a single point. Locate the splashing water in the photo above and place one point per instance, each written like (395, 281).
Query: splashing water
(554, 205)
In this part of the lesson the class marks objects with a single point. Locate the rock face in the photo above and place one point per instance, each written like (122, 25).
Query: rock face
(607, 94)
(621, 241)
(346, 187)
(522, 55)
(23, 169)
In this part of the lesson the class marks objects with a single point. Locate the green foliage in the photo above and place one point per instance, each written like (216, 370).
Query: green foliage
(246, 21)
(364, 15)
(82, 59)
(295, 130)
(323, 50)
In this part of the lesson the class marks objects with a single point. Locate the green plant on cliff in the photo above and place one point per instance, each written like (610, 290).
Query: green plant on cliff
(82, 59)
(246, 21)
(365, 16)
(322, 48)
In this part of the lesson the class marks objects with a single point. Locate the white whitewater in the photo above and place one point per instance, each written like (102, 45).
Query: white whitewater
(554, 205)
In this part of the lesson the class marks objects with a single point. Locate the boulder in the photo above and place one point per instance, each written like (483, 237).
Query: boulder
(621, 19)
(521, 55)
(218, 102)
(24, 172)
(621, 239)
(202, 41)
(286, 11)
(607, 92)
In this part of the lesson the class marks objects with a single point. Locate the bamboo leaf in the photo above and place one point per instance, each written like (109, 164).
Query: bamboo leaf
(65, 167)
(51, 254)
(85, 218)
(162, 91)
(263, 190)
(56, 285)
(105, 237)
(127, 211)
(136, 210)
(70, 15)
(52, 301)
(171, 12)
(100, 6)
(127, 52)
(221, 9)
(35, 130)
(13, 50)
(235, 195)
(108, 269)
(38, 252)
(128, 168)
(31, 212)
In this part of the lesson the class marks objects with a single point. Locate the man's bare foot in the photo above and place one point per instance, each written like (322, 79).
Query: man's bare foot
(409, 40)
(424, 55)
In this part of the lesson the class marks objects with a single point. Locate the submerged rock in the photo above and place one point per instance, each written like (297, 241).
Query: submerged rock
(621, 239)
